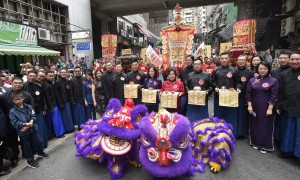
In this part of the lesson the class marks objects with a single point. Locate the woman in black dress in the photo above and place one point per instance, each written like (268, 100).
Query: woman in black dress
(98, 93)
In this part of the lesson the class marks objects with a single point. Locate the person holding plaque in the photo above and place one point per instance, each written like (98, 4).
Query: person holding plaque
(152, 82)
(261, 94)
(118, 83)
(225, 77)
(136, 77)
(173, 85)
(244, 75)
(200, 81)
(183, 77)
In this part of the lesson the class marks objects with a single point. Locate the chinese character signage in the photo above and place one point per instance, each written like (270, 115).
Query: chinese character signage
(83, 46)
(11, 33)
(154, 58)
(126, 52)
(109, 46)
(244, 32)
(224, 47)
(177, 41)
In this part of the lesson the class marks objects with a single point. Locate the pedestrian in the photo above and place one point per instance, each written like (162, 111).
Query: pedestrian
(173, 85)
(118, 83)
(90, 112)
(226, 77)
(183, 77)
(209, 66)
(107, 80)
(289, 101)
(98, 93)
(7, 104)
(3, 131)
(83, 65)
(3, 86)
(152, 82)
(244, 75)
(23, 118)
(262, 92)
(267, 57)
(283, 61)
(36, 90)
(63, 93)
(76, 97)
(53, 115)
(198, 80)
(41, 76)
(255, 60)
(135, 76)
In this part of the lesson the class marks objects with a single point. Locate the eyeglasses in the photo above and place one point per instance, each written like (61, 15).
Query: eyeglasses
(283, 58)
(295, 59)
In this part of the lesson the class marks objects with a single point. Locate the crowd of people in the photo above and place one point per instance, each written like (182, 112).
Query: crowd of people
(49, 102)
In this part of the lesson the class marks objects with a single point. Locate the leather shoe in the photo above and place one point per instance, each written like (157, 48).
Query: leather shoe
(284, 155)
(4, 172)
(14, 163)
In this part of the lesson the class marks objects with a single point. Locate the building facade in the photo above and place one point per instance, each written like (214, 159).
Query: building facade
(79, 36)
(55, 21)
(158, 20)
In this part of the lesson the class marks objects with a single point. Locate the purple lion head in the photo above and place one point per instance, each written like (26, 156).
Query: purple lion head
(122, 122)
(165, 150)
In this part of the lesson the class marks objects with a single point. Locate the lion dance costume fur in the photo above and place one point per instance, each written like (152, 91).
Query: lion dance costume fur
(112, 138)
(165, 144)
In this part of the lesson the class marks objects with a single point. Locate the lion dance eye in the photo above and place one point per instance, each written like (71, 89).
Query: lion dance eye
(184, 143)
(145, 141)
(152, 154)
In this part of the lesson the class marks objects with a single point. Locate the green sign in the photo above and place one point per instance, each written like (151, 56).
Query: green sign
(11, 33)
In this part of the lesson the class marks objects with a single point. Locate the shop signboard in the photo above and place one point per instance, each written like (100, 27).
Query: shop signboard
(81, 35)
(126, 52)
(12, 33)
(83, 46)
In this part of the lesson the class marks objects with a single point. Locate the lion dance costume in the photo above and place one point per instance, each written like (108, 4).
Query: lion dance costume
(114, 137)
(165, 144)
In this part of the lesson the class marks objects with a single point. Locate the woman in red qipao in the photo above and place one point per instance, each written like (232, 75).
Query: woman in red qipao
(174, 85)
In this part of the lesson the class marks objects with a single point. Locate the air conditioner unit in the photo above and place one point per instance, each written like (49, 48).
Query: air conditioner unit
(44, 34)
(288, 5)
(287, 26)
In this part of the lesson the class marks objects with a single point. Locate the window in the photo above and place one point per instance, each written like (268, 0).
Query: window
(121, 24)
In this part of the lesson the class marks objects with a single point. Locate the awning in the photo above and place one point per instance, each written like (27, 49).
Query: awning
(147, 32)
(23, 50)
(227, 32)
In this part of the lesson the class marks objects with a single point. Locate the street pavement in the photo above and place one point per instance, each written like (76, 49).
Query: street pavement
(247, 164)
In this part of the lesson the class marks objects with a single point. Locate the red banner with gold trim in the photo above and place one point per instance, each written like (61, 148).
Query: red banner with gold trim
(109, 46)
(244, 32)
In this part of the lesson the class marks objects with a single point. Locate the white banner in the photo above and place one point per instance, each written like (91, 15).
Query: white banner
(154, 58)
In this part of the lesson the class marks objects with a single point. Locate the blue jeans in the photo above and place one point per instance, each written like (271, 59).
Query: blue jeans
(28, 140)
